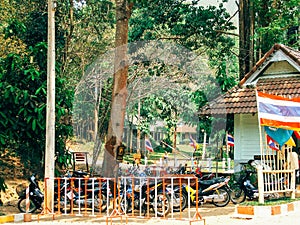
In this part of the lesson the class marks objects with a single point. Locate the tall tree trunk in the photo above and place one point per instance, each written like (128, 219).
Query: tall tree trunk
(246, 29)
(119, 94)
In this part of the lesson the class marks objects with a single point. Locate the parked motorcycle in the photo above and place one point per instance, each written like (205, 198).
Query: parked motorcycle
(243, 188)
(177, 199)
(81, 192)
(36, 197)
(215, 191)
(146, 195)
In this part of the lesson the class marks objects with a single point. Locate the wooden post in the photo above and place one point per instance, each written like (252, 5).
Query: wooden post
(293, 184)
(138, 138)
(260, 180)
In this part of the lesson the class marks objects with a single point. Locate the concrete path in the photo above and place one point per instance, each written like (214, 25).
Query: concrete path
(292, 218)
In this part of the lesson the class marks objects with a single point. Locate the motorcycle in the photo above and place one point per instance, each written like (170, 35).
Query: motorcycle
(81, 192)
(177, 199)
(149, 194)
(36, 197)
(243, 188)
(215, 191)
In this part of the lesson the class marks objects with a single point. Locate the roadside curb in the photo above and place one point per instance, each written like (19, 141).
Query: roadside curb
(242, 211)
(19, 217)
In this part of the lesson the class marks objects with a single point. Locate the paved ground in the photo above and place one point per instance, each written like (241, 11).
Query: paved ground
(292, 218)
(212, 216)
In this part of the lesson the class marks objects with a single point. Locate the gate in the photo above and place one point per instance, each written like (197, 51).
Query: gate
(276, 174)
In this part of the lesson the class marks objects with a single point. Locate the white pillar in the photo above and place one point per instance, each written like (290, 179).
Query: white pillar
(50, 112)
(260, 179)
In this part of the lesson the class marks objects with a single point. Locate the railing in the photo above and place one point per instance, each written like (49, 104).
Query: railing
(276, 181)
(129, 197)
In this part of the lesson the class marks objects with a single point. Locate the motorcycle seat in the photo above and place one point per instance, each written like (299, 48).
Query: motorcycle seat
(210, 182)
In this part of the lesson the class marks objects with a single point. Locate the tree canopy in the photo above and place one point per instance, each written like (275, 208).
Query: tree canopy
(86, 30)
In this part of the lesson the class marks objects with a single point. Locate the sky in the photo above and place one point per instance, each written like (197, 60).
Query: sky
(231, 6)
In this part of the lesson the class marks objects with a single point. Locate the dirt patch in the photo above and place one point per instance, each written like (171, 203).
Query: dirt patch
(10, 196)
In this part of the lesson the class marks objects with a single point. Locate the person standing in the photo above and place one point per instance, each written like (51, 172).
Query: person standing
(294, 163)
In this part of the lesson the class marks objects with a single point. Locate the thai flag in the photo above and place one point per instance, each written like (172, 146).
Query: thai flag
(230, 140)
(272, 144)
(276, 111)
(148, 145)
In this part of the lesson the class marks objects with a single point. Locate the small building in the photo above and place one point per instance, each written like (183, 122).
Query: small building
(277, 73)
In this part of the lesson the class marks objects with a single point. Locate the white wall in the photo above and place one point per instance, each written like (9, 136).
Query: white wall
(246, 138)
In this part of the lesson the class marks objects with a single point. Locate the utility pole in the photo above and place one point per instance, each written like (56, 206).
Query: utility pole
(50, 117)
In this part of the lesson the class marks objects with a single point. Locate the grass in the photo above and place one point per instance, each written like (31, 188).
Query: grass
(153, 157)
(271, 202)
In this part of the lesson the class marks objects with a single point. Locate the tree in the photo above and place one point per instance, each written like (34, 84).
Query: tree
(23, 87)
(246, 33)
(178, 21)
(264, 23)
(119, 93)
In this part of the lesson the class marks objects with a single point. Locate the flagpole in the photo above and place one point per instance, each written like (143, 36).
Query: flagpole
(259, 172)
(204, 145)
(227, 148)
(259, 127)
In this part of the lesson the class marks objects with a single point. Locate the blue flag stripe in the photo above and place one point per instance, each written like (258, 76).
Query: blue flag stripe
(291, 111)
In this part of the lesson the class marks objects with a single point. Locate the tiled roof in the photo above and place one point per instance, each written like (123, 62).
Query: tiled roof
(242, 99)
(293, 54)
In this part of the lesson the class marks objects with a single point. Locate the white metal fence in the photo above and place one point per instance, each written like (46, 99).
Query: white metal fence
(276, 174)
(172, 197)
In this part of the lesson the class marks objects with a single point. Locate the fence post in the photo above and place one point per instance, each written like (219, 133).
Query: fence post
(293, 184)
(27, 215)
(27, 199)
(260, 180)
(228, 163)
(209, 165)
(223, 163)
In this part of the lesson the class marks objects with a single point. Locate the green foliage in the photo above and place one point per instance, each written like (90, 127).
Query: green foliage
(199, 29)
(274, 21)
(188, 24)
(23, 85)
(63, 161)
(23, 109)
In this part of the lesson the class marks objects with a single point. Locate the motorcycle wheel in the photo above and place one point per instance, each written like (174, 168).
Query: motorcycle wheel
(178, 203)
(162, 205)
(65, 205)
(102, 202)
(221, 193)
(200, 200)
(22, 206)
(237, 194)
(125, 204)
